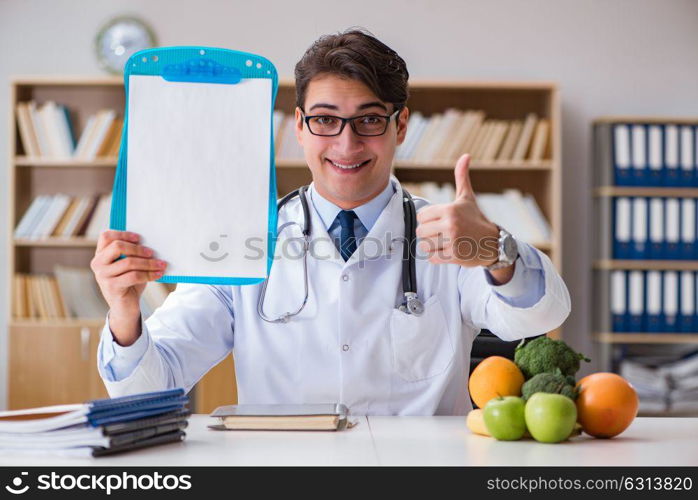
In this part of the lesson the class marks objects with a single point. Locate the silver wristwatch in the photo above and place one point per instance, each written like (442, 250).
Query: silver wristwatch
(508, 250)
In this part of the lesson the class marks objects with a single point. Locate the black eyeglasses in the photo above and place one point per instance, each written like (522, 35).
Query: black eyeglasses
(365, 125)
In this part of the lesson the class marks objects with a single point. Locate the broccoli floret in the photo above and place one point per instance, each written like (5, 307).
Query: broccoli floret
(555, 383)
(544, 354)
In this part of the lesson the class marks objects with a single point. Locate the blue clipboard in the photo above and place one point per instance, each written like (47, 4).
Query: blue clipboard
(197, 65)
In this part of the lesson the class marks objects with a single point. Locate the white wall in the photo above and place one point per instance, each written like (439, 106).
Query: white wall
(609, 56)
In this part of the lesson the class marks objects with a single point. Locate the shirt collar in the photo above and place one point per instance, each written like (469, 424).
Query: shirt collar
(367, 213)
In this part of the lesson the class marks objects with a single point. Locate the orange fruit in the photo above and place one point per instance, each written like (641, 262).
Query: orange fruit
(494, 376)
(606, 405)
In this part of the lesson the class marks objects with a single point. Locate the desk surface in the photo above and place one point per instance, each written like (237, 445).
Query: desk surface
(405, 441)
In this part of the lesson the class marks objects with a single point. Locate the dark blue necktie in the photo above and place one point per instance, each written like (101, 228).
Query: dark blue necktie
(347, 240)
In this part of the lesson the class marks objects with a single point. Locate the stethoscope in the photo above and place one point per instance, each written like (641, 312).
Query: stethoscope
(410, 304)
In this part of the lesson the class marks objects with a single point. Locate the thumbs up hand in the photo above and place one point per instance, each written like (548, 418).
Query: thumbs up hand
(458, 232)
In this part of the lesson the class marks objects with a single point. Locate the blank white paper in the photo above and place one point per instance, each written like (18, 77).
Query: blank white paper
(198, 174)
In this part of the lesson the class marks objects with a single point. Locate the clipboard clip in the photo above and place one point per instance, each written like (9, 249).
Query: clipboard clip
(201, 70)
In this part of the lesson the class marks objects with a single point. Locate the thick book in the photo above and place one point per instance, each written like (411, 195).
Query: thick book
(95, 413)
(315, 417)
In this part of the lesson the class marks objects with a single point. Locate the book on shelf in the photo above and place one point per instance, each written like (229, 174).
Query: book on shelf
(315, 417)
(99, 221)
(647, 154)
(63, 216)
(493, 146)
(460, 130)
(653, 301)
(652, 227)
(524, 141)
(479, 139)
(444, 137)
(47, 131)
(71, 293)
(512, 136)
(277, 121)
(540, 140)
(518, 213)
(80, 292)
(98, 427)
(415, 126)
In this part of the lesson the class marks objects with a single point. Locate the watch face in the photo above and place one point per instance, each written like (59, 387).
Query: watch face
(119, 39)
(510, 249)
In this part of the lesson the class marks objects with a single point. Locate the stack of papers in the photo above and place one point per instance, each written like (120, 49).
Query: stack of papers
(98, 427)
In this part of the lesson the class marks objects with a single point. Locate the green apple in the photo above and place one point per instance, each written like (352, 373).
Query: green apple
(550, 418)
(504, 418)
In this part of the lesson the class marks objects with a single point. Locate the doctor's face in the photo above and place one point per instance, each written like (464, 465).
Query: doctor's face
(352, 185)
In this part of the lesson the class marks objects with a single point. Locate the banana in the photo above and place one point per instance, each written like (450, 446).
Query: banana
(476, 423)
(576, 431)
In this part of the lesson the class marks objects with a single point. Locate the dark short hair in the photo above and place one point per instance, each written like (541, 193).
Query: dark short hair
(358, 55)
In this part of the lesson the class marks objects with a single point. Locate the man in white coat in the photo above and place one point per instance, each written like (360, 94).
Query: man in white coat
(349, 344)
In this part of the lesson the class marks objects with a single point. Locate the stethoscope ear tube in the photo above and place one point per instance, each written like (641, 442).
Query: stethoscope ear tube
(306, 210)
(411, 304)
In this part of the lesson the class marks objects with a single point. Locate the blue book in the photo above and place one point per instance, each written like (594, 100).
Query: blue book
(640, 227)
(622, 222)
(672, 175)
(656, 233)
(688, 302)
(686, 156)
(688, 229)
(672, 220)
(655, 319)
(670, 301)
(93, 413)
(640, 167)
(619, 300)
(655, 155)
(636, 301)
(620, 145)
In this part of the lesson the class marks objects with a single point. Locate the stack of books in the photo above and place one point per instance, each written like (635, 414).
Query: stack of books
(444, 137)
(651, 154)
(46, 131)
(71, 293)
(518, 213)
(63, 216)
(654, 228)
(654, 301)
(98, 427)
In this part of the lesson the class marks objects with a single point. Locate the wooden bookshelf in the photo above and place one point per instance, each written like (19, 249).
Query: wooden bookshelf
(53, 361)
(73, 339)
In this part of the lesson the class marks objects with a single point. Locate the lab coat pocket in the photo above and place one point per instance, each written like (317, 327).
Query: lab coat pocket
(422, 346)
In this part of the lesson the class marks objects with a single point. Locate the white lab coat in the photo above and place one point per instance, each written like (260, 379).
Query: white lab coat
(349, 344)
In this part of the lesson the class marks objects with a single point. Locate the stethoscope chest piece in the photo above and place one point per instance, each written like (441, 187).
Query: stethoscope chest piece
(412, 305)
